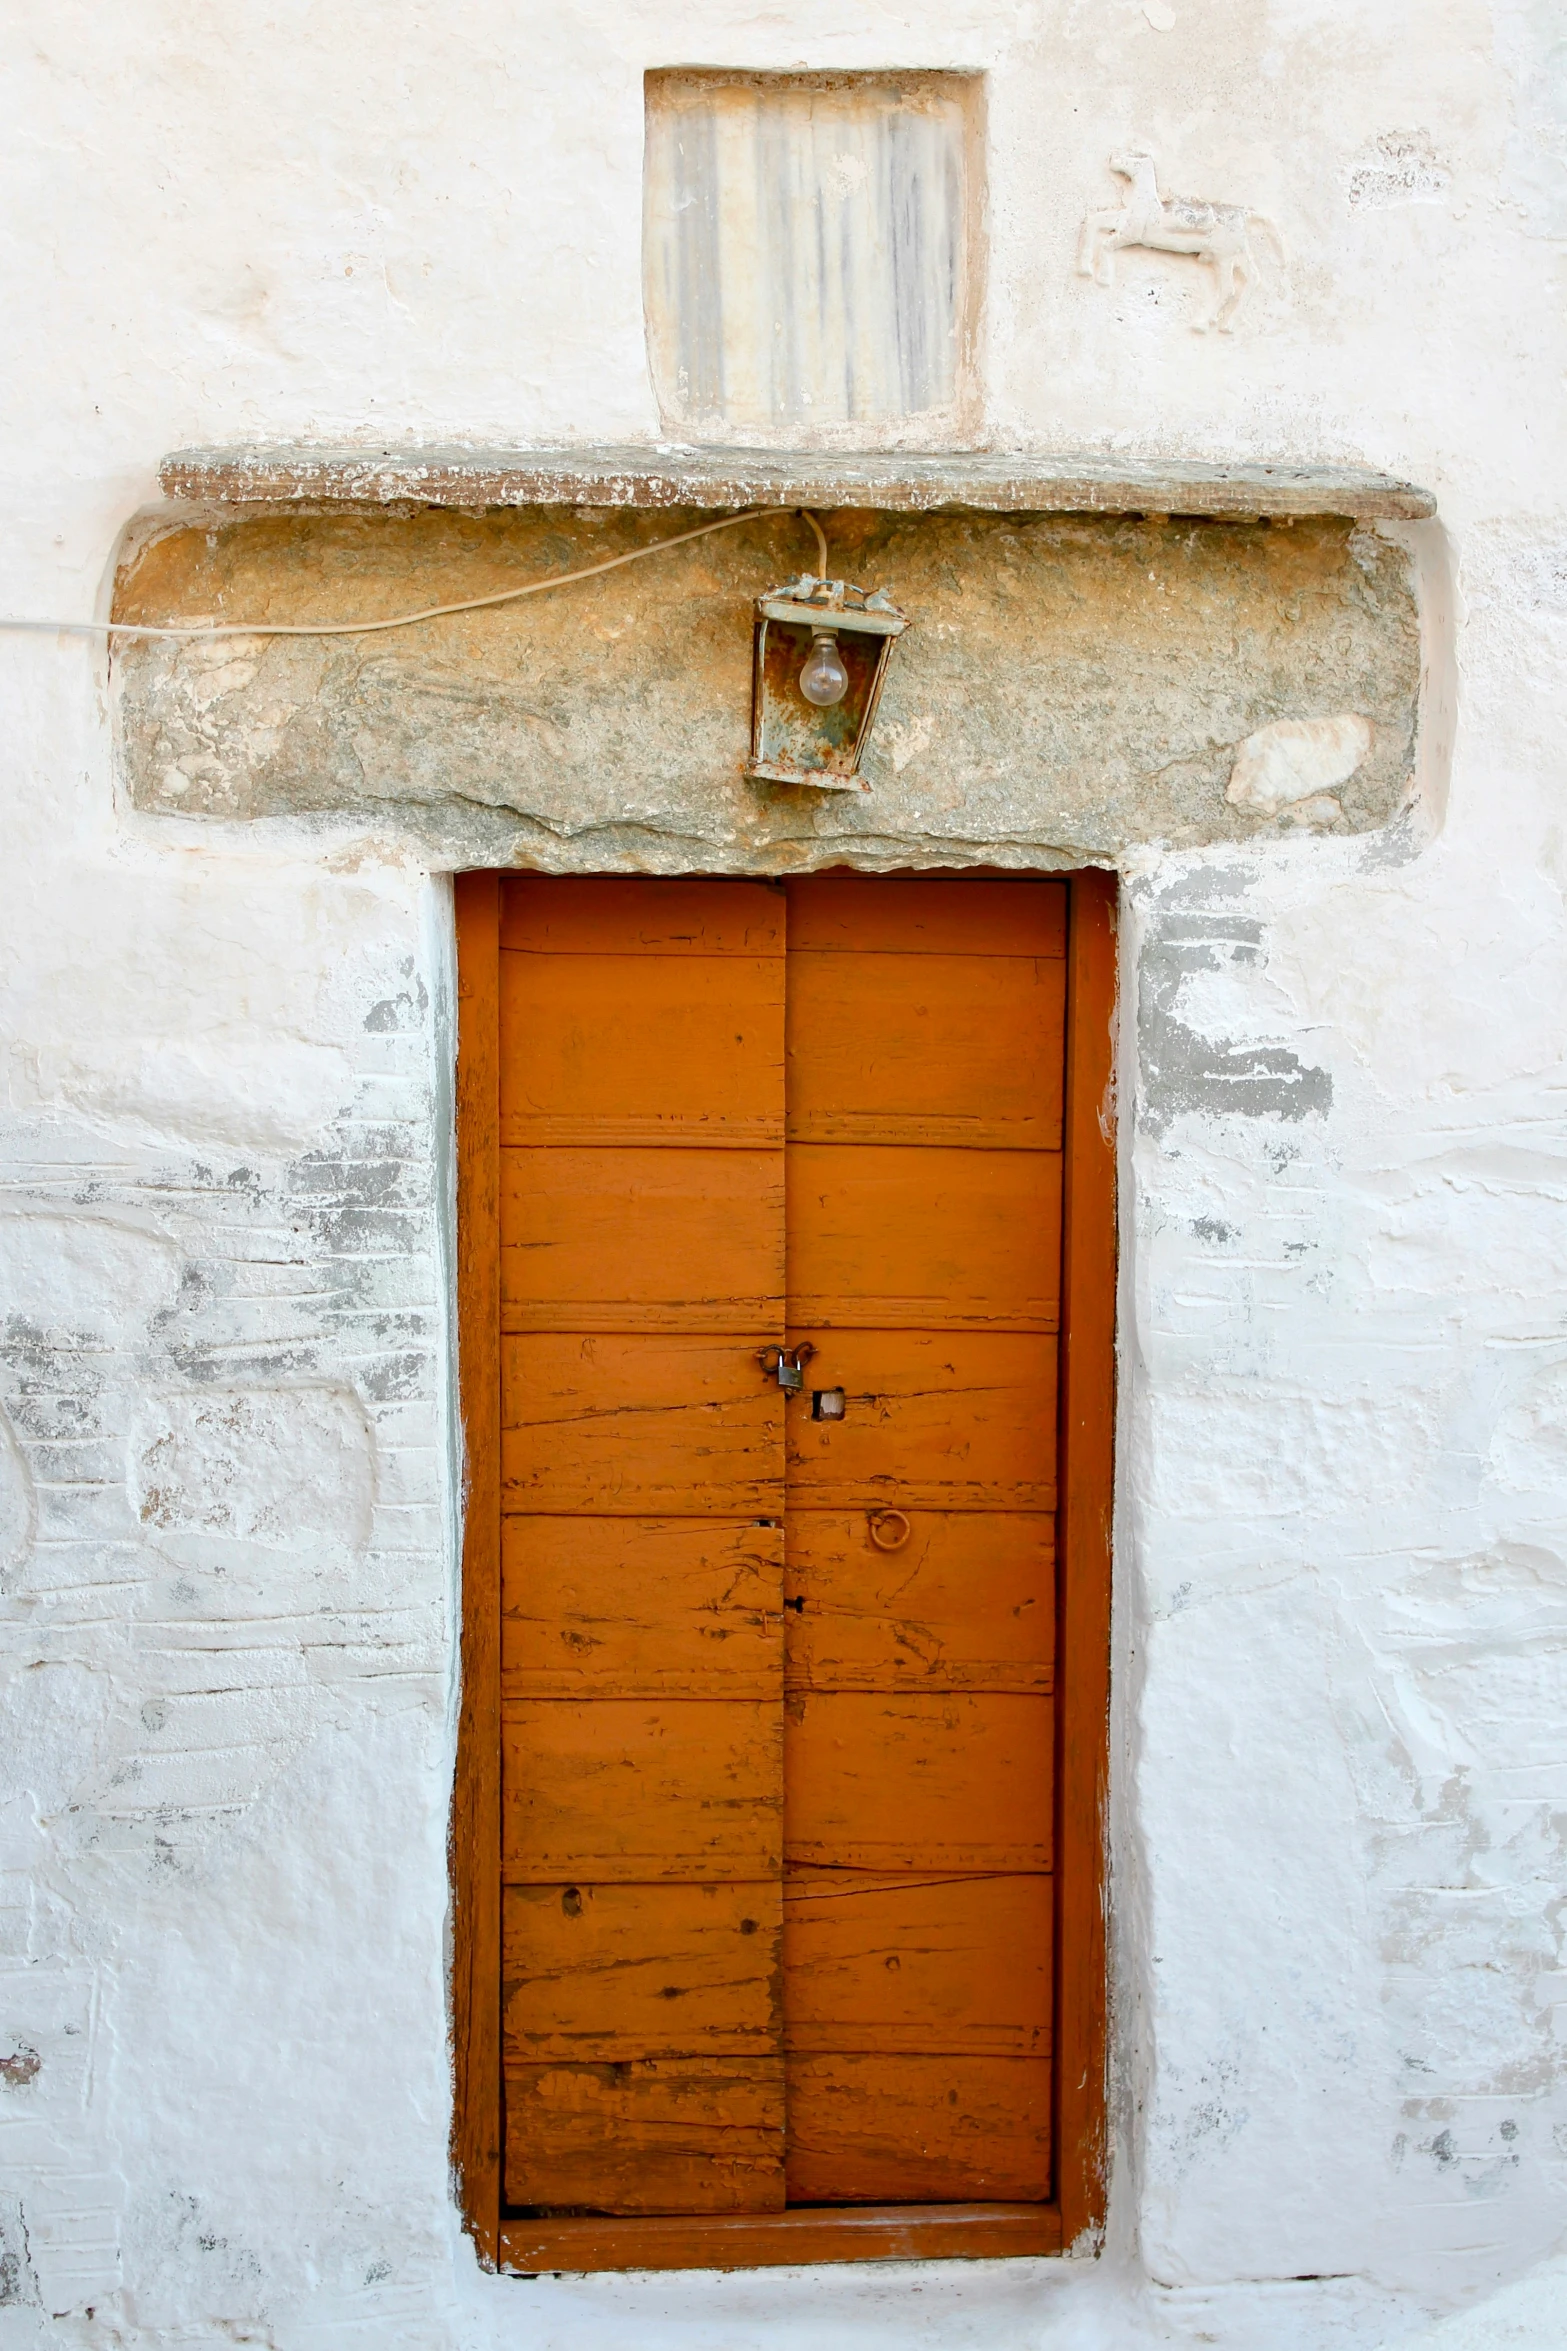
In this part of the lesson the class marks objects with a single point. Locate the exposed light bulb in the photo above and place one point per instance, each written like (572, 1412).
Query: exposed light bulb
(824, 680)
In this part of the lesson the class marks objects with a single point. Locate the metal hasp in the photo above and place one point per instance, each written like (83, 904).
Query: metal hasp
(792, 740)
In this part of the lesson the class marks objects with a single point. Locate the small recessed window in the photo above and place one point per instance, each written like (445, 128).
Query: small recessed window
(810, 254)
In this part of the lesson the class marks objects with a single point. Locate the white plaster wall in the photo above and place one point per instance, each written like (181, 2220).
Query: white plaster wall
(1341, 1750)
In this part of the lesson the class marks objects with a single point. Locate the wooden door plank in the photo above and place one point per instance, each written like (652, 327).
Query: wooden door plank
(879, 914)
(916, 1965)
(615, 1971)
(642, 1208)
(642, 1049)
(1084, 1543)
(892, 2129)
(632, 1239)
(925, 1034)
(953, 1049)
(642, 914)
(809, 2233)
(967, 1602)
(640, 1608)
(641, 1789)
(947, 1420)
(677, 2135)
(887, 1237)
(475, 1842)
(958, 1782)
(644, 1425)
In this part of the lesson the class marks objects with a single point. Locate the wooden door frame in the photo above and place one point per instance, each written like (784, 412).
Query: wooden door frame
(1074, 2217)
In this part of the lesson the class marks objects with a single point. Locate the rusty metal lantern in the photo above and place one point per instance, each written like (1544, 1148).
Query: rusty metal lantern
(845, 632)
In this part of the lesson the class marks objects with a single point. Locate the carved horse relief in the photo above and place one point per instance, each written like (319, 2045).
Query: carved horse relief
(1224, 234)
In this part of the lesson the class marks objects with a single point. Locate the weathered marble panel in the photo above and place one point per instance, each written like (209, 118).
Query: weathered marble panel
(809, 257)
(1071, 685)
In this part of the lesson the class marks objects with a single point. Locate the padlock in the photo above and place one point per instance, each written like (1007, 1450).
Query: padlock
(787, 1365)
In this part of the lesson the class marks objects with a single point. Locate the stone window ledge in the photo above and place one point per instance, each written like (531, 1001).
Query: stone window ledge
(474, 478)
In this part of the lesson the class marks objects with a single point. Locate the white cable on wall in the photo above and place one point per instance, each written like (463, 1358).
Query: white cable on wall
(403, 620)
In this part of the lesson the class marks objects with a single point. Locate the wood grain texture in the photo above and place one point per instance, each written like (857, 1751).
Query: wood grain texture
(954, 1049)
(676, 2134)
(641, 1788)
(886, 914)
(638, 1239)
(652, 914)
(957, 1782)
(1084, 1541)
(642, 1049)
(640, 1608)
(947, 1420)
(644, 1030)
(645, 1760)
(929, 1238)
(615, 1971)
(649, 1426)
(913, 1965)
(968, 1603)
(808, 2233)
(475, 1837)
(899, 2129)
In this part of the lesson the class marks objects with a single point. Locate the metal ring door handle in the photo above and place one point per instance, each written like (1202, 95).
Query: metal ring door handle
(889, 1529)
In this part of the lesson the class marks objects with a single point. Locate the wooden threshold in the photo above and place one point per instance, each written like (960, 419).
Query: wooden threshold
(807, 2233)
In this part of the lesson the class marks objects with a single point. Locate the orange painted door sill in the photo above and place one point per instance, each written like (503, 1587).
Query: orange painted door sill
(802, 2233)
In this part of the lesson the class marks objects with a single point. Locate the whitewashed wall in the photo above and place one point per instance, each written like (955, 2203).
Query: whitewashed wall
(225, 1512)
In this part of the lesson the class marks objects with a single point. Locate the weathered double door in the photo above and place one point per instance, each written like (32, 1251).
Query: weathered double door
(776, 1667)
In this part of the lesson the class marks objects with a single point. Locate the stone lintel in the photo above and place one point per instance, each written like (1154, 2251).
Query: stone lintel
(304, 476)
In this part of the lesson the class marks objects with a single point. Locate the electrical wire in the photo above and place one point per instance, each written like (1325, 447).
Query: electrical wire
(404, 620)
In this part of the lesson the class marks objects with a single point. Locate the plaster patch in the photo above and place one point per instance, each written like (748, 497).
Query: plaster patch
(1528, 2315)
(18, 1507)
(1398, 167)
(1292, 763)
(190, 1759)
(1534, 175)
(1528, 1449)
(84, 1272)
(268, 1466)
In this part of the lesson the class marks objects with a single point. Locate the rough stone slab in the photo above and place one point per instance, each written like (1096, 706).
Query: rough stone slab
(1069, 685)
(719, 479)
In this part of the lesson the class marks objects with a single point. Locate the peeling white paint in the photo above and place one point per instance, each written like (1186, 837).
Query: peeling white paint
(1340, 2086)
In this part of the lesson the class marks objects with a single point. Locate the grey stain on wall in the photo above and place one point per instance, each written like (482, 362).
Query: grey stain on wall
(1183, 1069)
(18, 2286)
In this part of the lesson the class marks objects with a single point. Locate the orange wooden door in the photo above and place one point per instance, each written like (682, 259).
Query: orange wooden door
(642, 1257)
(777, 1921)
(923, 1180)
